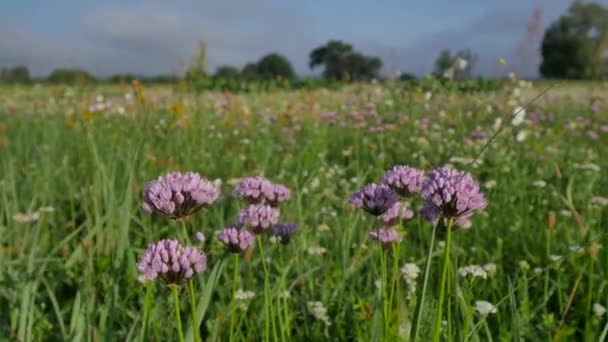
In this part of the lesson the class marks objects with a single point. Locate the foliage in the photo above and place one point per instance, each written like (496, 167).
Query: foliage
(576, 45)
(342, 62)
(455, 67)
(70, 76)
(227, 72)
(274, 66)
(18, 74)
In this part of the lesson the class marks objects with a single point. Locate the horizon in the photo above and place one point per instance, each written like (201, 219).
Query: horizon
(155, 38)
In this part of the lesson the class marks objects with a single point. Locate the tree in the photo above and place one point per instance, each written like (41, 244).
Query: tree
(575, 46)
(342, 62)
(455, 67)
(227, 72)
(406, 76)
(70, 76)
(274, 65)
(250, 72)
(18, 74)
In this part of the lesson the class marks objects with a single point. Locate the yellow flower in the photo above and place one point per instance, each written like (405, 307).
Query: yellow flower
(88, 116)
(178, 110)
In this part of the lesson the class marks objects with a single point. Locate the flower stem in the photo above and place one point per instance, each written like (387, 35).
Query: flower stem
(420, 301)
(177, 313)
(184, 230)
(234, 287)
(444, 275)
(267, 299)
(195, 327)
(383, 296)
(144, 327)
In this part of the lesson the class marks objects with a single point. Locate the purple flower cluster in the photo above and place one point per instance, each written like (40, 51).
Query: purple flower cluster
(386, 236)
(257, 190)
(178, 195)
(284, 231)
(258, 217)
(398, 212)
(404, 180)
(376, 199)
(170, 262)
(383, 201)
(237, 241)
(451, 195)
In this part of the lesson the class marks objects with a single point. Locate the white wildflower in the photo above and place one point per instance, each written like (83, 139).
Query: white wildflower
(577, 249)
(490, 184)
(316, 250)
(474, 271)
(46, 209)
(484, 308)
(323, 227)
(27, 217)
(497, 123)
(521, 136)
(490, 268)
(200, 237)
(556, 258)
(588, 167)
(243, 295)
(598, 309)
(519, 116)
(539, 183)
(410, 273)
(599, 201)
(537, 270)
(319, 311)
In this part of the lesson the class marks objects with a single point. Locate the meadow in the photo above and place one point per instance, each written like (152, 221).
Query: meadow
(75, 162)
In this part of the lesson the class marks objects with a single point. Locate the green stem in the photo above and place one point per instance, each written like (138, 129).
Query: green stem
(177, 313)
(420, 301)
(184, 230)
(284, 295)
(444, 275)
(235, 280)
(147, 302)
(266, 292)
(589, 297)
(195, 328)
(383, 297)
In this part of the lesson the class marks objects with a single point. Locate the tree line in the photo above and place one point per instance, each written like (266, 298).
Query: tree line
(575, 46)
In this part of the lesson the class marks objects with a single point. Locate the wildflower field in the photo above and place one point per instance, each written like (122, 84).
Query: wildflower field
(161, 214)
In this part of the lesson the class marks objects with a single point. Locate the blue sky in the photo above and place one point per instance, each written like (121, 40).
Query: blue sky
(160, 36)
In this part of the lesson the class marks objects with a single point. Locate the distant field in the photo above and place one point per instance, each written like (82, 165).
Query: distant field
(74, 164)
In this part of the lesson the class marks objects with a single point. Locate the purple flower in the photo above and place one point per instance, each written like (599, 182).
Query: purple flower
(178, 195)
(451, 194)
(258, 217)
(254, 190)
(404, 180)
(237, 241)
(593, 135)
(376, 199)
(280, 193)
(170, 262)
(330, 118)
(284, 231)
(386, 236)
(398, 212)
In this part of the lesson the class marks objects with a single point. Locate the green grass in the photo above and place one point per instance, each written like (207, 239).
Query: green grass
(70, 274)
